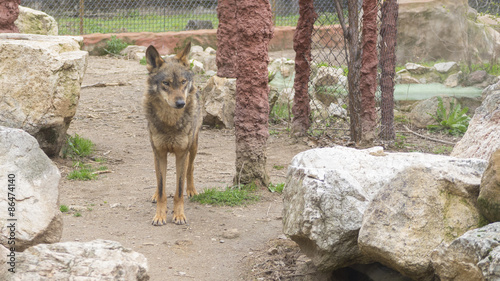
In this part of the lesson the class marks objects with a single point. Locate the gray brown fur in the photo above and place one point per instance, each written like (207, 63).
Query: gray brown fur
(172, 108)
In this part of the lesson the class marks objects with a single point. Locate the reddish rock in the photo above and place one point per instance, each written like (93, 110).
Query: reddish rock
(9, 11)
(167, 42)
(302, 47)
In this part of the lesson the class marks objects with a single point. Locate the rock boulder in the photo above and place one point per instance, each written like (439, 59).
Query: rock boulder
(489, 196)
(328, 190)
(94, 260)
(34, 181)
(218, 102)
(40, 85)
(473, 256)
(419, 208)
(483, 135)
(36, 22)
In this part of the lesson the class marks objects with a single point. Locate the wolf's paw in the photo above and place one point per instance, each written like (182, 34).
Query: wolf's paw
(160, 219)
(191, 192)
(154, 198)
(179, 219)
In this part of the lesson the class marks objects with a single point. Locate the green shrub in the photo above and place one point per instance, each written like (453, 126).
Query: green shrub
(115, 46)
(454, 122)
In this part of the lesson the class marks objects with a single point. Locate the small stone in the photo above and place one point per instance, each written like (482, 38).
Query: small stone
(114, 205)
(184, 242)
(272, 251)
(231, 233)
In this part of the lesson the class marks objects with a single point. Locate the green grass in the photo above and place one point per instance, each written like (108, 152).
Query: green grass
(231, 196)
(77, 214)
(63, 208)
(83, 172)
(161, 21)
(143, 61)
(446, 150)
(280, 112)
(78, 147)
(276, 187)
(278, 167)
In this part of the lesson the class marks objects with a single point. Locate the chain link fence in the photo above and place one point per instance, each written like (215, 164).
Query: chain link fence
(78, 17)
(486, 6)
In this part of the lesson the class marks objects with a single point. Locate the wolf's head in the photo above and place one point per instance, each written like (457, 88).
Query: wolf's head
(170, 78)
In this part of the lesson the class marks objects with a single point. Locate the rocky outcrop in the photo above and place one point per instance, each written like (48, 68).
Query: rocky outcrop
(328, 191)
(94, 260)
(35, 22)
(422, 206)
(473, 256)
(443, 32)
(32, 192)
(482, 137)
(218, 100)
(489, 196)
(40, 85)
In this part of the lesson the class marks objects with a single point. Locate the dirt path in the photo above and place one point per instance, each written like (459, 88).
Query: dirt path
(117, 207)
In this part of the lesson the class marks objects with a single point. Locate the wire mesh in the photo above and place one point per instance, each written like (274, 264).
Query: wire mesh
(328, 87)
(78, 17)
(486, 6)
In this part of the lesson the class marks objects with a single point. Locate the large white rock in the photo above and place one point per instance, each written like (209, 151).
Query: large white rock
(35, 182)
(473, 256)
(40, 78)
(94, 260)
(483, 135)
(328, 191)
(419, 208)
(218, 102)
(35, 22)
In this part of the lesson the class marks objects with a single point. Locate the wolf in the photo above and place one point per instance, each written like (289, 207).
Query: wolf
(172, 108)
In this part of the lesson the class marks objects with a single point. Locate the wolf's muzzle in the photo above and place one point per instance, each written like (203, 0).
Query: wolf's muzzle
(180, 104)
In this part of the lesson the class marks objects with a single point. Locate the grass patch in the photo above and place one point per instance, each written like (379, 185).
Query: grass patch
(63, 208)
(278, 167)
(446, 150)
(78, 147)
(83, 172)
(276, 187)
(280, 112)
(143, 61)
(77, 214)
(231, 196)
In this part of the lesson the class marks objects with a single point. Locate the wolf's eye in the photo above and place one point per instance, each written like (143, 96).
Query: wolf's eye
(183, 82)
(166, 83)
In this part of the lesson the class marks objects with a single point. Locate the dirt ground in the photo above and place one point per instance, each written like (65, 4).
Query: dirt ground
(218, 243)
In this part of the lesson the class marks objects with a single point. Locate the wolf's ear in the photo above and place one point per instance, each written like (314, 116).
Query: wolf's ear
(153, 58)
(183, 56)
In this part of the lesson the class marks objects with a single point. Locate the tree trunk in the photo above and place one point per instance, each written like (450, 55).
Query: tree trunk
(388, 32)
(255, 30)
(9, 11)
(368, 78)
(302, 47)
(354, 66)
(227, 39)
